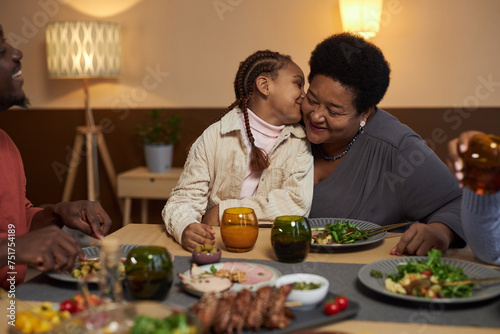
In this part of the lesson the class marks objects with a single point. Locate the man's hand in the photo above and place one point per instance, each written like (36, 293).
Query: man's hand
(197, 234)
(421, 238)
(211, 217)
(456, 147)
(88, 217)
(48, 248)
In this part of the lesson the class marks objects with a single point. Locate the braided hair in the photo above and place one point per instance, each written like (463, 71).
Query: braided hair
(260, 62)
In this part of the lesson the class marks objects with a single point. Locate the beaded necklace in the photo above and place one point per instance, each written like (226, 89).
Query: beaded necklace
(338, 156)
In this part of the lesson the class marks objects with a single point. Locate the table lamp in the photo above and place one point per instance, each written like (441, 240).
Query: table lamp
(84, 50)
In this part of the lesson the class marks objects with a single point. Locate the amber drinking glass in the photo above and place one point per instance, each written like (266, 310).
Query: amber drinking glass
(148, 273)
(291, 238)
(239, 229)
(482, 164)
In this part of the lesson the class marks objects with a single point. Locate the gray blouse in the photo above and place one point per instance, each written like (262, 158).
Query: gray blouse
(390, 175)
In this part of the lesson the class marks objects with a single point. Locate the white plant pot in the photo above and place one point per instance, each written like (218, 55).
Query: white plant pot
(159, 157)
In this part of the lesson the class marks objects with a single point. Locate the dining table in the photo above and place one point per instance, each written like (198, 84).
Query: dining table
(376, 312)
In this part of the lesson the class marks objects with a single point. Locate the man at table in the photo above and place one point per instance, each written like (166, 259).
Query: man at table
(30, 235)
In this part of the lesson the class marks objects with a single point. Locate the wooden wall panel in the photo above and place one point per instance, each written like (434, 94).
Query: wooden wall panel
(45, 138)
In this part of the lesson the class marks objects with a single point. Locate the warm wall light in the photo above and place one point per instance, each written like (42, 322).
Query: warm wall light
(361, 16)
(83, 50)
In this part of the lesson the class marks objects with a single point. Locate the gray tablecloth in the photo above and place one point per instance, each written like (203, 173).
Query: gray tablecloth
(343, 280)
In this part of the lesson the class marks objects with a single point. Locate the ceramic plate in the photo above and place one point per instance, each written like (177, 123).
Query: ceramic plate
(472, 270)
(237, 286)
(322, 222)
(91, 253)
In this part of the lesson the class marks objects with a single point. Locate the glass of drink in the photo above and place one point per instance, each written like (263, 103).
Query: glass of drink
(239, 229)
(482, 164)
(291, 238)
(148, 273)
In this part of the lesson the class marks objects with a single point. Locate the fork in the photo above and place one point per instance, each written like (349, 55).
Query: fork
(425, 283)
(376, 230)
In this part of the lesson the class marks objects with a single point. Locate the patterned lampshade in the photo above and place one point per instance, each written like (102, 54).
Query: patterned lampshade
(361, 16)
(83, 49)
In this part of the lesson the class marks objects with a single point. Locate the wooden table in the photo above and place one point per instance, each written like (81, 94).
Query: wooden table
(156, 235)
(142, 184)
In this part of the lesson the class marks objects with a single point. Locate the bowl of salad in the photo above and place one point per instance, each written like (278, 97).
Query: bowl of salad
(308, 289)
(143, 317)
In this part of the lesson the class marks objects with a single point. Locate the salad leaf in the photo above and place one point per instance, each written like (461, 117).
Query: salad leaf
(338, 231)
(176, 323)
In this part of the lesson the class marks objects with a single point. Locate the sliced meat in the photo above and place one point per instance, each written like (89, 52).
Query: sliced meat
(205, 283)
(257, 274)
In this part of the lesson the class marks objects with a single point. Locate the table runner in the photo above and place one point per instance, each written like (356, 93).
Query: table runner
(343, 280)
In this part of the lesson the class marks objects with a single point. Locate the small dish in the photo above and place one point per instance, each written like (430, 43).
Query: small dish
(206, 258)
(309, 298)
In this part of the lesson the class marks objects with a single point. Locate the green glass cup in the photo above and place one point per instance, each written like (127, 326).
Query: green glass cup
(291, 238)
(148, 273)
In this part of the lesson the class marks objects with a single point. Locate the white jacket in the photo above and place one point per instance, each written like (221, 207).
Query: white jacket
(216, 166)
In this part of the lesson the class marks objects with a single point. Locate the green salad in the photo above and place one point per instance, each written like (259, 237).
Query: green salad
(177, 323)
(437, 271)
(339, 233)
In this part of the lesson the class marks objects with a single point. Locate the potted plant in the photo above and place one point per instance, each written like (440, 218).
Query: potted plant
(159, 135)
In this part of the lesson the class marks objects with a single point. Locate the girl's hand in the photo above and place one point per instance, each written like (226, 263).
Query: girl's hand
(421, 238)
(456, 147)
(197, 234)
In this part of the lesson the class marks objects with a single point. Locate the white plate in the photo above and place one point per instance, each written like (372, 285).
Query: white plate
(322, 222)
(472, 270)
(237, 286)
(91, 253)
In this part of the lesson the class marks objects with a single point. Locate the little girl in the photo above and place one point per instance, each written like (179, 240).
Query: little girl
(255, 155)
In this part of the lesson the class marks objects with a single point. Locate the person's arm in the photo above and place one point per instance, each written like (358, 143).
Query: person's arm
(481, 223)
(289, 186)
(429, 194)
(86, 216)
(47, 248)
(188, 200)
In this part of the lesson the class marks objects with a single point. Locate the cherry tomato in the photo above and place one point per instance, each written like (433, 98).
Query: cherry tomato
(68, 305)
(342, 301)
(331, 308)
(427, 272)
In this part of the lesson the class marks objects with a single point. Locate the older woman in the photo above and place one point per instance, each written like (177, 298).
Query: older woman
(368, 165)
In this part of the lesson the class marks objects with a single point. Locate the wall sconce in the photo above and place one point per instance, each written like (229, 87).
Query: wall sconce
(83, 50)
(361, 16)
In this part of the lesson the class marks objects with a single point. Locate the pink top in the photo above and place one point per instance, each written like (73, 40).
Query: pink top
(15, 209)
(265, 136)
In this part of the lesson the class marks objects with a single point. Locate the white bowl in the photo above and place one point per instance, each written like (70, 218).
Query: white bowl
(309, 298)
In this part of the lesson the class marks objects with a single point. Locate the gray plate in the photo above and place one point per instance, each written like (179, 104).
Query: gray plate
(322, 222)
(472, 270)
(91, 253)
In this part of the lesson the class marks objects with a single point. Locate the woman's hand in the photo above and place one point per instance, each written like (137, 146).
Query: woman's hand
(421, 238)
(48, 248)
(86, 216)
(197, 234)
(456, 147)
